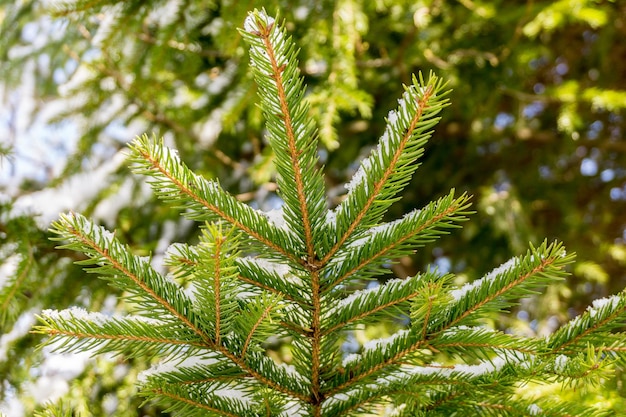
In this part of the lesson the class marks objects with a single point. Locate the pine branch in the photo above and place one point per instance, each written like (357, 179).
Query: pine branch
(363, 257)
(591, 327)
(612, 344)
(197, 402)
(292, 137)
(135, 336)
(499, 289)
(478, 342)
(215, 285)
(364, 305)
(154, 293)
(128, 272)
(523, 408)
(544, 263)
(204, 200)
(216, 293)
(291, 132)
(581, 369)
(194, 370)
(423, 382)
(389, 168)
(255, 329)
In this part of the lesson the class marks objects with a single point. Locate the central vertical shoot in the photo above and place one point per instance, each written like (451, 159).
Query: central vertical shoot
(292, 136)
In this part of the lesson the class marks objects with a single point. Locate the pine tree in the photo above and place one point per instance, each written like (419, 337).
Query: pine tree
(254, 319)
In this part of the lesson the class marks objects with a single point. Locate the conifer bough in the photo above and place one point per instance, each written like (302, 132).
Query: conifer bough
(299, 277)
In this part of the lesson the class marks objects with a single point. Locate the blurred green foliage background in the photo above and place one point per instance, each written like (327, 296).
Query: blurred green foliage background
(535, 132)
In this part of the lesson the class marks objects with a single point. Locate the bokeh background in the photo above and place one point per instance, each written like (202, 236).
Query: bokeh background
(535, 132)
